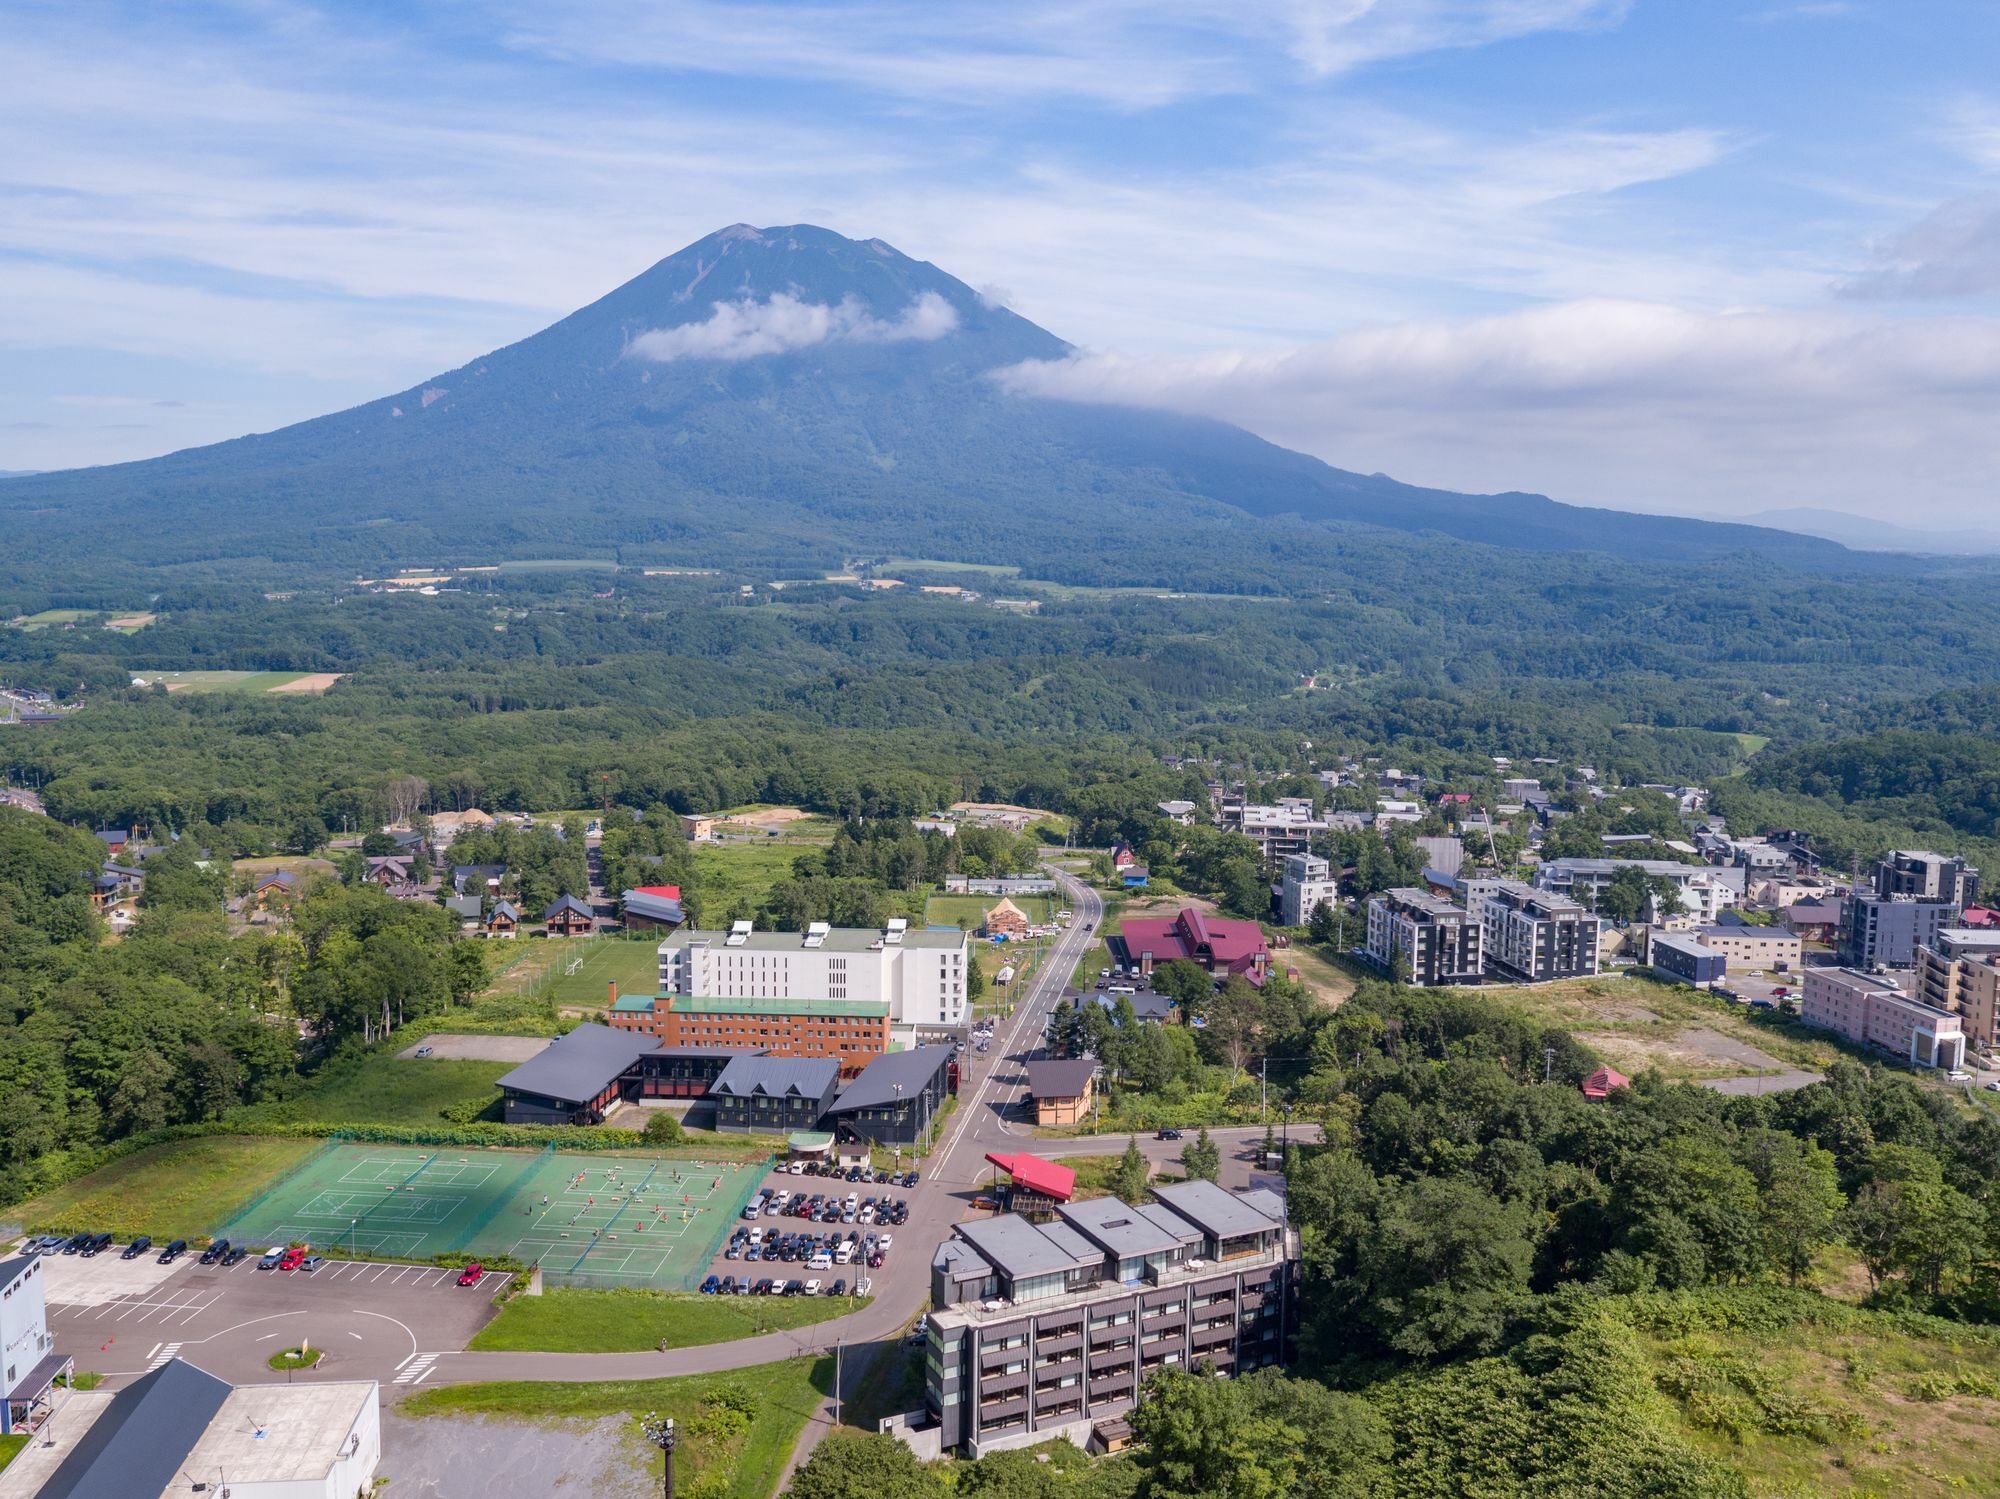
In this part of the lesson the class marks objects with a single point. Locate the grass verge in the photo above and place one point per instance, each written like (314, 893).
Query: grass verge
(383, 1088)
(741, 1424)
(293, 1358)
(632, 1321)
(168, 1191)
(10, 1444)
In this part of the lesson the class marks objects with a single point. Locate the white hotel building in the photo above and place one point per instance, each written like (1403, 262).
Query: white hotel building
(919, 972)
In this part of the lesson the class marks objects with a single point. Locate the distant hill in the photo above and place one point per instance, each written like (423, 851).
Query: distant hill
(783, 397)
(1860, 533)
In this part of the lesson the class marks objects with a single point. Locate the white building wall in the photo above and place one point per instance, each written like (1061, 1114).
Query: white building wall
(924, 985)
(24, 1325)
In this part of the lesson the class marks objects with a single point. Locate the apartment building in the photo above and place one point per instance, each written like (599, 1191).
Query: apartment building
(1529, 935)
(1685, 957)
(1873, 1010)
(1943, 963)
(1916, 895)
(1047, 1331)
(1427, 939)
(1765, 947)
(1706, 890)
(1279, 830)
(1979, 1000)
(919, 974)
(1309, 883)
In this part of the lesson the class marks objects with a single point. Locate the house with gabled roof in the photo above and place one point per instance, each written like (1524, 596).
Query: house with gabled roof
(568, 917)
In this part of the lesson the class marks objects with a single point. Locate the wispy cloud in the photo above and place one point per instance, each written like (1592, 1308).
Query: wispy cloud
(1954, 251)
(1611, 402)
(748, 329)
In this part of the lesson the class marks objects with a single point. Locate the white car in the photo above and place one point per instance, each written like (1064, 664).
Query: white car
(1993, 1087)
(884, 1242)
(812, 1288)
(797, 1168)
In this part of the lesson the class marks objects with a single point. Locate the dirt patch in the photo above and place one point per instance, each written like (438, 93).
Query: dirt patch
(314, 682)
(478, 1048)
(178, 686)
(130, 621)
(977, 807)
(766, 817)
(1698, 1054)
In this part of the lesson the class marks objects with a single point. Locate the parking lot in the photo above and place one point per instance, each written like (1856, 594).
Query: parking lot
(870, 1229)
(120, 1317)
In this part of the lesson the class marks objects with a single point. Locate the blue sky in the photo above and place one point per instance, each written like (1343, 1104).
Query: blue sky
(1713, 256)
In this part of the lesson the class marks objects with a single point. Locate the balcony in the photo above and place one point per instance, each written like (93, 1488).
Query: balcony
(1156, 1321)
(1101, 1337)
(997, 1385)
(1000, 1357)
(1208, 1337)
(995, 1413)
(1066, 1343)
(1112, 1387)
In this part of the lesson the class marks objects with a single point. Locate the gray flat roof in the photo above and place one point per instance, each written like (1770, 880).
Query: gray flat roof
(1225, 1215)
(579, 1066)
(839, 939)
(1019, 1250)
(1126, 1231)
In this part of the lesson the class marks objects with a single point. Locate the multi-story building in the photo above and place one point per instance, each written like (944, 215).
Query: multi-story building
(1279, 831)
(1873, 1010)
(1979, 1000)
(1917, 894)
(1425, 939)
(1047, 1331)
(1309, 883)
(1529, 935)
(1706, 891)
(1755, 946)
(852, 1031)
(774, 1095)
(1943, 962)
(919, 974)
(29, 1363)
(1686, 957)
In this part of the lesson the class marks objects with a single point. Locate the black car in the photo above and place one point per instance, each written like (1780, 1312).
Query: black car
(214, 1252)
(1167, 1134)
(77, 1242)
(136, 1248)
(97, 1244)
(173, 1251)
(237, 1253)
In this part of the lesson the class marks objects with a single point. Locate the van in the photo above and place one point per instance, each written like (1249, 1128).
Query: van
(821, 1260)
(844, 1254)
(271, 1257)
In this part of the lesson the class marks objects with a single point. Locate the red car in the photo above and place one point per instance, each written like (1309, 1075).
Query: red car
(471, 1274)
(294, 1257)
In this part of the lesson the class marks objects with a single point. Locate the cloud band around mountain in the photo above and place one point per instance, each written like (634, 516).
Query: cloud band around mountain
(749, 329)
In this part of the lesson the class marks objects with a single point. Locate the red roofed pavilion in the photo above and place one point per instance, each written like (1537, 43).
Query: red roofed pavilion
(1602, 1083)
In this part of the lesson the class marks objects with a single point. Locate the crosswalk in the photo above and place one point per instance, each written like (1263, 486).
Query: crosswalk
(161, 1354)
(417, 1368)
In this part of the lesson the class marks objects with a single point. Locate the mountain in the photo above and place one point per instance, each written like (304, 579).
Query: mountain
(1864, 535)
(783, 398)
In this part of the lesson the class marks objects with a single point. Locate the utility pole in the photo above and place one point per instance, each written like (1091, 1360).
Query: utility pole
(1264, 1104)
(1548, 1063)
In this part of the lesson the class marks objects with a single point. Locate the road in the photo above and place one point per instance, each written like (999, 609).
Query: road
(955, 1170)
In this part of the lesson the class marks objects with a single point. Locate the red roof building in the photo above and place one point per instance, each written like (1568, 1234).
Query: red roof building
(1602, 1083)
(1979, 916)
(664, 892)
(1219, 946)
(1031, 1175)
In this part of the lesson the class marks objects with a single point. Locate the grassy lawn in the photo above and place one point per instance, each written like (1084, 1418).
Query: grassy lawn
(731, 874)
(48, 617)
(742, 1423)
(1095, 957)
(179, 1190)
(1646, 1022)
(1858, 1407)
(10, 1444)
(970, 910)
(631, 1321)
(1094, 1174)
(1331, 978)
(220, 681)
(577, 970)
(386, 1089)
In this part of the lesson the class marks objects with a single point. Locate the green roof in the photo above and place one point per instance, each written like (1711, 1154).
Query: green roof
(633, 1003)
(809, 1140)
(867, 1009)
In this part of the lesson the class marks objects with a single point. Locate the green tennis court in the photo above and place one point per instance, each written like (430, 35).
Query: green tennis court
(598, 1218)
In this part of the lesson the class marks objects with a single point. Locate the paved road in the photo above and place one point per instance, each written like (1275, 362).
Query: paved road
(955, 1170)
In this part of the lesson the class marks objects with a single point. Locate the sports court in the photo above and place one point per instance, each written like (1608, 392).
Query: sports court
(597, 1218)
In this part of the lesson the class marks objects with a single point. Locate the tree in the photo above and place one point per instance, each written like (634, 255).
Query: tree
(406, 798)
(1186, 983)
(1202, 1160)
(663, 1128)
(1321, 927)
(1263, 1436)
(864, 1466)
(1798, 1199)
(1235, 1029)
(1443, 1268)
(1128, 1182)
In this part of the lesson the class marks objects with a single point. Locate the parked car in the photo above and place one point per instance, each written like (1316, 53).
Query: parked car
(708, 1286)
(423, 1051)
(237, 1254)
(99, 1242)
(838, 1288)
(988, 1204)
(214, 1252)
(173, 1251)
(273, 1257)
(812, 1288)
(762, 1288)
(473, 1274)
(136, 1248)
(1167, 1134)
(294, 1257)
(313, 1261)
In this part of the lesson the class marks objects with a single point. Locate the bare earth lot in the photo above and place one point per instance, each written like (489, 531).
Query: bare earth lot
(478, 1048)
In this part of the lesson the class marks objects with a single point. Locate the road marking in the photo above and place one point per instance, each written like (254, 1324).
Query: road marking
(356, 1336)
(423, 1376)
(405, 1361)
(417, 1368)
(153, 1350)
(166, 1353)
(265, 1337)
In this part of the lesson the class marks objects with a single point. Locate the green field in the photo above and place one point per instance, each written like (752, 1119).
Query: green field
(49, 617)
(577, 970)
(969, 910)
(733, 875)
(631, 1321)
(741, 1424)
(221, 681)
(561, 564)
(10, 1444)
(600, 1219)
(383, 1088)
(168, 1191)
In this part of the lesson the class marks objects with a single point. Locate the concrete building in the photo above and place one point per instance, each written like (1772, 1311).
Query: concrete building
(1706, 891)
(1424, 938)
(1531, 936)
(1309, 883)
(853, 1031)
(1979, 1000)
(1923, 875)
(1686, 958)
(1916, 895)
(178, 1431)
(1873, 1010)
(29, 1363)
(1047, 1331)
(894, 1101)
(774, 1095)
(1943, 962)
(1765, 947)
(1180, 812)
(919, 973)
(1278, 831)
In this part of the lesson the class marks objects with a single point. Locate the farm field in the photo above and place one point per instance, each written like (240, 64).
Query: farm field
(738, 1426)
(632, 1321)
(303, 867)
(47, 618)
(170, 1190)
(242, 681)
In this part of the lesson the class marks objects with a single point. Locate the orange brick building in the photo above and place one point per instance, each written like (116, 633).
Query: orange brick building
(852, 1031)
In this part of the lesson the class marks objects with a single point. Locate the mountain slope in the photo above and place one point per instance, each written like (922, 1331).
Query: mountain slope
(782, 397)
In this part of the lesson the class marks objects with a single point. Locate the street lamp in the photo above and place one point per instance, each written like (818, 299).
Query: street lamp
(660, 1432)
(1285, 1149)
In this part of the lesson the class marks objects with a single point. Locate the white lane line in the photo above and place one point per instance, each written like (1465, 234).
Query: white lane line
(153, 1350)
(425, 1375)
(266, 1337)
(399, 1367)
(414, 1371)
(167, 1352)
(356, 1336)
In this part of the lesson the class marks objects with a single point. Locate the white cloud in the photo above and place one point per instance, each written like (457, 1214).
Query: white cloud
(1953, 251)
(749, 330)
(1620, 403)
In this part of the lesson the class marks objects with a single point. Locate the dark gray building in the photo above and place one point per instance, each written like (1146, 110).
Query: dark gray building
(895, 1098)
(1529, 935)
(1917, 894)
(1424, 939)
(576, 1077)
(1686, 958)
(758, 1095)
(1042, 1331)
